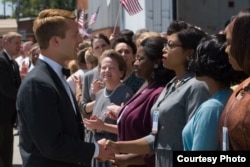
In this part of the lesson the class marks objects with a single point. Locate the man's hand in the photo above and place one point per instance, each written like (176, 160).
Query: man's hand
(104, 152)
(24, 70)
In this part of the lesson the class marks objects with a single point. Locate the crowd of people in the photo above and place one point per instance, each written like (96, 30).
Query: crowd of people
(130, 99)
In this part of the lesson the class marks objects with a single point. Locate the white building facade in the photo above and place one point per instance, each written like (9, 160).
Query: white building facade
(156, 15)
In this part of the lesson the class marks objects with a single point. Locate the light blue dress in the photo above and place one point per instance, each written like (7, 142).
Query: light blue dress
(201, 132)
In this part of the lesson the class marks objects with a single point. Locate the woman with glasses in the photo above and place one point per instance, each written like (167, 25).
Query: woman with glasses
(175, 105)
(135, 119)
(112, 69)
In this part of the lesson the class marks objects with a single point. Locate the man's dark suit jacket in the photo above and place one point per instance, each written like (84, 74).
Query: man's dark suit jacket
(51, 134)
(9, 83)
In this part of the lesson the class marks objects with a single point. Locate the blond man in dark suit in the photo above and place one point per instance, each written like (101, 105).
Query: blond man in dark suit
(9, 83)
(50, 125)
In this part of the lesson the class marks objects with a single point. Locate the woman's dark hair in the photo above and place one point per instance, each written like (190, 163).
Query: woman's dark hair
(211, 60)
(126, 41)
(189, 39)
(126, 33)
(99, 36)
(176, 26)
(240, 45)
(153, 47)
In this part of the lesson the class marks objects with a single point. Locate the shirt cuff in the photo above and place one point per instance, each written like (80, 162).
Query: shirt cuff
(96, 150)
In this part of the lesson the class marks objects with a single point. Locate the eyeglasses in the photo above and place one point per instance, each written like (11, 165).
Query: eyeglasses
(171, 45)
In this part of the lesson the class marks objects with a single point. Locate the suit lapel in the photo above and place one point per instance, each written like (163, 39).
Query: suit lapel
(14, 70)
(78, 118)
(53, 75)
(59, 83)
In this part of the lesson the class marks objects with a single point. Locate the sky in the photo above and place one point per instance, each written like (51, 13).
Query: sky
(7, 8)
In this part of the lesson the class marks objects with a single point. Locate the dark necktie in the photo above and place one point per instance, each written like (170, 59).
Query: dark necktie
(13, 63)
(17, 77)
(66, 72)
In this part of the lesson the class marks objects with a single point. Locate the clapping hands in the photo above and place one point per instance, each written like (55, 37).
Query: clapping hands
(113, 111)
(94, 123)
(96, 86)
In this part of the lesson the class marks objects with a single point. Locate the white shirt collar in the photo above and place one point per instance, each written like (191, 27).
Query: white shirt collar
(54, 65)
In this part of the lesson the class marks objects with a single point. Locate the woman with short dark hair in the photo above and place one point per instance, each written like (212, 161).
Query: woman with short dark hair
(175, 105)
(127, 49)
(210, 65)
(135, 118)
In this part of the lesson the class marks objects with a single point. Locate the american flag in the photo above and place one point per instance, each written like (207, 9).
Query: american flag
(131, 6)
(93, 17)
(81, 23)
(81, 19)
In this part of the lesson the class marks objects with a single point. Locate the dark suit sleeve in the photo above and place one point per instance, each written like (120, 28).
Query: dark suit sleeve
(47, 120)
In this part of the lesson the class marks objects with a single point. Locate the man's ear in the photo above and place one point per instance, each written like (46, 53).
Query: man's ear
(54, 41)
(5, 42)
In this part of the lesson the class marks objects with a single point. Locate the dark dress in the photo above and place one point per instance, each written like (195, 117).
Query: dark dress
(134, 82)
(135, 121)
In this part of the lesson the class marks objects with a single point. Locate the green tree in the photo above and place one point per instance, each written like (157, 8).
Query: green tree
(30, 8)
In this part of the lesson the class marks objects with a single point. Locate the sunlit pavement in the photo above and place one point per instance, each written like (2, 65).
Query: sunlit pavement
(17, 161)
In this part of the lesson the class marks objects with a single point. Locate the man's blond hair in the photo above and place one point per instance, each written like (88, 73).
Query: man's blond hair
(10, 35)
(49, 23)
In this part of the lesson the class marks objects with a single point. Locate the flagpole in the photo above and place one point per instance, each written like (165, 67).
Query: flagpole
(118, 15)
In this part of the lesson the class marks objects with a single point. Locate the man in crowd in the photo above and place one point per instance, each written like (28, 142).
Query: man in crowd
(9, 83)
(50, 125)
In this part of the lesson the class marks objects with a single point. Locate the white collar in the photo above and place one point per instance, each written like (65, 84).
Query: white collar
(53, 64)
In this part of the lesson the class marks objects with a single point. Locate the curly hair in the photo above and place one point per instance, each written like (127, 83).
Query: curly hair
(152, 47)
(211, 60)
(126, 41)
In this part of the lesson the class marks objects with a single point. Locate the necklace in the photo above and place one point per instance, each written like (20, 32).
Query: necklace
(177, 82)
(105, 94)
